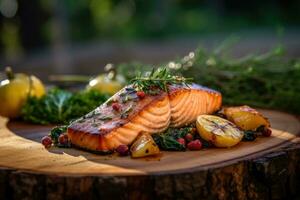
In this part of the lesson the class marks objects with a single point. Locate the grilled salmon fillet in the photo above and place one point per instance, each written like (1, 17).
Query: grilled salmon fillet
(126, 114)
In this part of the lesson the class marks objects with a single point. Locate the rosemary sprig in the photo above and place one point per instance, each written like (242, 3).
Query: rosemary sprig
(158, 79)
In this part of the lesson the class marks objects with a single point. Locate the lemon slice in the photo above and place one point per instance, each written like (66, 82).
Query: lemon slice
(219, 131)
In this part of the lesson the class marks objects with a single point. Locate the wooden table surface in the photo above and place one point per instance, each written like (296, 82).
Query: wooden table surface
(24, 160)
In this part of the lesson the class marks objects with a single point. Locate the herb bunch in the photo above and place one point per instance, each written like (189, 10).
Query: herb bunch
(168, 140)
(158, 79)
(56, 132)
(61, 106)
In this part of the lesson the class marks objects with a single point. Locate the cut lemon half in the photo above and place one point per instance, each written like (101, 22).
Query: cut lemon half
(218, 131)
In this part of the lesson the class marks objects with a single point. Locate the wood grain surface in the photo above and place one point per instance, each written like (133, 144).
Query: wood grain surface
(20, 149)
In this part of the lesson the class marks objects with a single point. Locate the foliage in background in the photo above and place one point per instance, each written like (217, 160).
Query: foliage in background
(131, 19)
(89, 20)
(60, 106)
(266, 80)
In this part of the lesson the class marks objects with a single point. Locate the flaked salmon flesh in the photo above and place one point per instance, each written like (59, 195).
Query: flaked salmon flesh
(104, 129)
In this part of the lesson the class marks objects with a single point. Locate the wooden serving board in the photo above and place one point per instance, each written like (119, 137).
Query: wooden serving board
(20, 148)
(22, 152)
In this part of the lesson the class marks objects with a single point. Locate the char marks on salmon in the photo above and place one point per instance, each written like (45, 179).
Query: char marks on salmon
(106, 127)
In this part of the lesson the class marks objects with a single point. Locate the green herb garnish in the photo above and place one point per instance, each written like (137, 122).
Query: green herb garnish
(252, 135)
(168, 140)
(158, 79)
(56, 132)
(249, 135)
(105, 118)
(60, 106)
(126, 112)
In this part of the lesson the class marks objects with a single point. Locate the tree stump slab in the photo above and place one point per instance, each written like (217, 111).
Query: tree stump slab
(268, 168)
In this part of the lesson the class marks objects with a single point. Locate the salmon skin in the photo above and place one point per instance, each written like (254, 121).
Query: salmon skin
(126, 114)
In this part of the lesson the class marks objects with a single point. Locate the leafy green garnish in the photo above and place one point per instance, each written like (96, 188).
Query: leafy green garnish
(56, 132)
(60, 106)
(158, 79)
(105, 117)
(168, 140)
(249, 135)
(125, 113)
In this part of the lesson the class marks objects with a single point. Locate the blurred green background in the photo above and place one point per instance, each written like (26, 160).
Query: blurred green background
(80, 37)
(66, 36)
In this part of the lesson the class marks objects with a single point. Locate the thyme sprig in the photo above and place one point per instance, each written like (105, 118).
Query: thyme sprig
(158, 79)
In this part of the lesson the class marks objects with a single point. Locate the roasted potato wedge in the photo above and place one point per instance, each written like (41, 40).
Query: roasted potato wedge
(218, 131)
(246, 117)
(144, 146)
